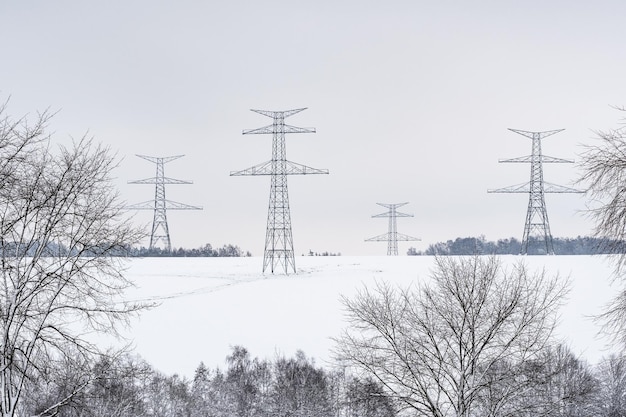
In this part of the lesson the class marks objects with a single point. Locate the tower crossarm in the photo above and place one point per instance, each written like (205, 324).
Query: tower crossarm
(282, 114)
(164, 180)
(542, 158)
(169, 205)
(267, 168)
(146, 205)
(519, 188)
(380, 238)
(271, 129)
(554, 188)
(406, 238)
(392, 206)
(396, 214)
(547, 188)
(173, 205)
(533, 135)
(294, 168)
(264, 168)
(156, 159)
(392, 210)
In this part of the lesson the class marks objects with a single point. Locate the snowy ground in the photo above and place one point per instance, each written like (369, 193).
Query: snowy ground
(208, 305)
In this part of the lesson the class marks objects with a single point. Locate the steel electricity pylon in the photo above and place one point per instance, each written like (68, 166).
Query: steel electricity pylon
(160, 205)
(278, 238)
(537, 224)
(392, 237)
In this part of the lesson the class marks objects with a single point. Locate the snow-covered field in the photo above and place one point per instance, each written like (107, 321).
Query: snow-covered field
(208, 305)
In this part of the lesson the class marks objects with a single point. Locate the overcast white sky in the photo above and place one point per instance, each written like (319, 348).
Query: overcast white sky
(411, 101)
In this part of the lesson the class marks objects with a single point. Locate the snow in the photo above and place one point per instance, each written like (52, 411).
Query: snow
(208, 305)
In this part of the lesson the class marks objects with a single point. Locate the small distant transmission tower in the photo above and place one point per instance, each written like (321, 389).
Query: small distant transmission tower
(278, 238)
(160, 230)
(537, 223)
(392, 237)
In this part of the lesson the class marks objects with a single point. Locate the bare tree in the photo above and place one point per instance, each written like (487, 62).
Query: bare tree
(62, 228)
(603, 166)
(439, 348)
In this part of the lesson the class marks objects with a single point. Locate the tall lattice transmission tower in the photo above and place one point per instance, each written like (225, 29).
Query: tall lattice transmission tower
(392, 236)
(537, 225)
(160, 205)
(278, 237)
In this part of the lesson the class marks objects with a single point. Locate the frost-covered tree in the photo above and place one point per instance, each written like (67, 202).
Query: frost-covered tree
(300, 388)
(168, 396)
(437, 346)
(61, 229)
(603, 166)
(611, 399)
(240, 384)
(201, 398)
(556, 384)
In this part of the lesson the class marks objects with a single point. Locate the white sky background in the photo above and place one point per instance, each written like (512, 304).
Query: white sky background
(411, 101)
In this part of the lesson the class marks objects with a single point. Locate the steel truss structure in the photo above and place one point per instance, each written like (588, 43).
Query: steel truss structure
(160, 205)
(392, 237)
(537, 224)
(278, 251)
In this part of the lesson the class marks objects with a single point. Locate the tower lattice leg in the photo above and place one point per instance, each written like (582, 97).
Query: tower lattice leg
(537, 223)
(278, 239)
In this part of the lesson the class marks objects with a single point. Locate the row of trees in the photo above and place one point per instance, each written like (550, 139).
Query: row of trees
(207, 250)
(126, 386)
(480, 245)
(555, 383)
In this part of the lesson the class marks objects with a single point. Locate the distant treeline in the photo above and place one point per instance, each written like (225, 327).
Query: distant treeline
(203, 251)
(511, 246)
(54, 249)
(325, 253)
(127, 385)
